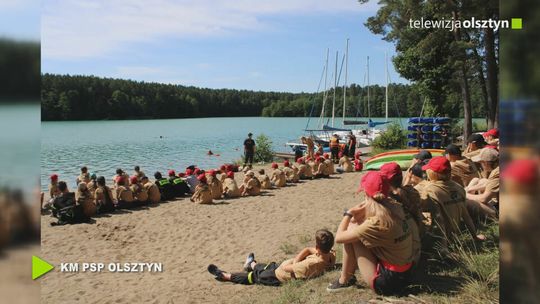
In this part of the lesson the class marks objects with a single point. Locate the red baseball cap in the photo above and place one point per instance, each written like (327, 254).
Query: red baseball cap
(286, 163)
(274, 166)
(189, 172)
(202, 178)
(524, 171)
(373, 183)
(181, 174)
(133, 179)
(492, 132)
(230, 174)
(223, 168)
(212, 172)
(171, 173)
(120, 179)
(54, 177)
(197, 171)
(326, 156)
(389, 170)
(438, 164)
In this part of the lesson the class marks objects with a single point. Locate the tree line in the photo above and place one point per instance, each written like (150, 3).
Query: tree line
(19, 70)
(66, 97)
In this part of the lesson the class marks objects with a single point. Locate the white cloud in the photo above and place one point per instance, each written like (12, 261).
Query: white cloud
(85, 28)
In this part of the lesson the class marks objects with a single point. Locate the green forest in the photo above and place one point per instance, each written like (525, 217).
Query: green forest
(19, 71)
(66, 97)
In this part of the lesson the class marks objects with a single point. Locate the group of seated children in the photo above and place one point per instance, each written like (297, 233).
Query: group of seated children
(382, 236)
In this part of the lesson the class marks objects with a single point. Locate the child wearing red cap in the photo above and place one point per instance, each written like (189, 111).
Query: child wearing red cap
(202, 194)
(304, 170)
(278, 177)
(216, 187)
(139, 192)
(345, 164)
(53, 187)
(319, 169)
(409, 198)
(328, 165)
(449, 201)
(230, 187)
(376, 240)
(191, 180)
(290, 175)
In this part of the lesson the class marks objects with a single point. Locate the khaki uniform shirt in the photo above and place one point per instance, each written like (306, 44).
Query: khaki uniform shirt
(393, 245)
(100, 195)
(346, 164)
(493, 183)
(216, 187)
(85, 199)
(463, 171)
(53, 190)
(328, 167)
(304, 171)
(230, 188)
(153, 192)
(265, 181)
(253, 186)
(450, 197)
(312, 266)
(124, 194)
(202, 194)
(140, 193)
(278, 178)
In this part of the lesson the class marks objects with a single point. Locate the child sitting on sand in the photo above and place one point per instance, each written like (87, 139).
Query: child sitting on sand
(230, 188)
(251, 185)
(202, 194)
(308, 263)
(278, 178)
(265, 180)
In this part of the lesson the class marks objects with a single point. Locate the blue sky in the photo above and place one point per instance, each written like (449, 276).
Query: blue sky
(275, 45)
(20, 19)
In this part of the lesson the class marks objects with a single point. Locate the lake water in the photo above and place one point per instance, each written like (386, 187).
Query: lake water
(19, 142)
(104, 146)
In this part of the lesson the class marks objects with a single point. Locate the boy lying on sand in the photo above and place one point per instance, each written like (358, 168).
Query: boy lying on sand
(309, 263)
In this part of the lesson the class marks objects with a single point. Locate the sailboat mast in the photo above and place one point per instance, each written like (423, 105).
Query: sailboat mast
(387, 82)
(368, 105)
(335, 87)
(345, 84)
(321, 120)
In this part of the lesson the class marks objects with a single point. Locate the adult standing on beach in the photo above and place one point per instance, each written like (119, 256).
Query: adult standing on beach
(334, 148)
(310, 145)
(351, 144)
(249, 151)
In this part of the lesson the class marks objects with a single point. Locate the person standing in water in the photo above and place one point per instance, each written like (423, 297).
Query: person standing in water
(249, 151)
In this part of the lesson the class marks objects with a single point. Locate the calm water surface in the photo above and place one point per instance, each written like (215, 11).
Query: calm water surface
(104, 146)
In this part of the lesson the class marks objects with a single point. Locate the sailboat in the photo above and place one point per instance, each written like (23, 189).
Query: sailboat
(364, 136)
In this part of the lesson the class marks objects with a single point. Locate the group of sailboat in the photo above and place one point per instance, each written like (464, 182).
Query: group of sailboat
(365, 131)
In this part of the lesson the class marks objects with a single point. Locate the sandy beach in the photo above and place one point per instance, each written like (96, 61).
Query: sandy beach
(186, 237)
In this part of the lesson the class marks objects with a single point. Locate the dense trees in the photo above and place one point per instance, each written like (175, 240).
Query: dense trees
(19, 70)
(91, 98)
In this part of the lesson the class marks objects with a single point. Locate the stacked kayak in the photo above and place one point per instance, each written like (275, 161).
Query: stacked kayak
(402, 157)
(428, 132)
